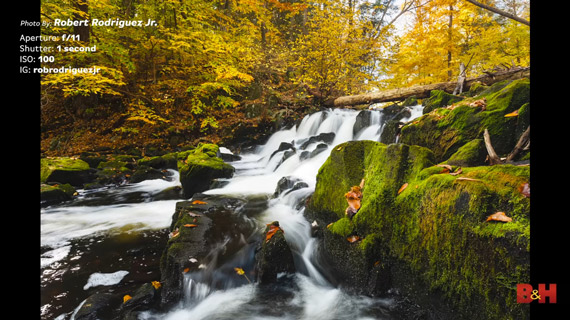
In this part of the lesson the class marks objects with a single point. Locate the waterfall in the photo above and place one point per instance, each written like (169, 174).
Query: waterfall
(296, 153)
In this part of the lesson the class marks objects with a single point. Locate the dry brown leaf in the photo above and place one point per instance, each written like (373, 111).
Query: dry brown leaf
(524, 189)
(272, 230)
(402, 188)
(353, 239)
(499, 216)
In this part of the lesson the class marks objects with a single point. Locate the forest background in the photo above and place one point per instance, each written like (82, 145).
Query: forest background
(232, 71)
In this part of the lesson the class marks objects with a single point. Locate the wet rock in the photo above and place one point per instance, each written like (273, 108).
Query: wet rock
(64, 170)
(96, 306)
(55, 194)
(325, 137)
(282, 147)
(145, 298)
(362, 121)
(274, 257)
(185, 243)
(201, 167)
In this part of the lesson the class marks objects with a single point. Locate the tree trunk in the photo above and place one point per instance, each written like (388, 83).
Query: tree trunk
(424, 91)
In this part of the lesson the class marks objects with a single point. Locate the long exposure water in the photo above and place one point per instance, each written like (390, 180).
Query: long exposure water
(99, 238)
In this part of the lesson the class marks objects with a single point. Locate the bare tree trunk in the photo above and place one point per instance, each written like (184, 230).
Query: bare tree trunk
(424, 91)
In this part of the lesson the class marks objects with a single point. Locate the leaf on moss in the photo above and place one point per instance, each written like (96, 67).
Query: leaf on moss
(126, 298)
(190, 225)
(512, 114)
(524, 189)
(353, 239)
(174, 234)
(192, 214)
(446, 168)
(499, 216)
(402, 188)
(198, 202)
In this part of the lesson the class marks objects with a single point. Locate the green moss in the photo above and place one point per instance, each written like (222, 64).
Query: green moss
(473, 153)
(343, 227)
(49, 165)
(439, 99)
(201, 167)
(444, 131)
(436, 225)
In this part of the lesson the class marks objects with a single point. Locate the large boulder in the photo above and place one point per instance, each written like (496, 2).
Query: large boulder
(201, 167)
(420, 224)
(64, 170)
(447, 128)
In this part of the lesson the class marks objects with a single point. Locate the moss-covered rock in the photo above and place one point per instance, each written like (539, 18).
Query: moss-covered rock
(64, 170)
(50, 195)
(274, 257)
(201, 167)
(471, 154)
(439, 99)
(445, 130)
(435, 226)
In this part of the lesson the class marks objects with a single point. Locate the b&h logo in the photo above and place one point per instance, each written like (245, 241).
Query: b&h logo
(526, 293)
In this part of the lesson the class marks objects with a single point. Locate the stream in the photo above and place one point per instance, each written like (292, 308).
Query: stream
(114, 237)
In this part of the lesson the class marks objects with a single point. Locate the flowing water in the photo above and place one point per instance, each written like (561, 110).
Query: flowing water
(96, 239)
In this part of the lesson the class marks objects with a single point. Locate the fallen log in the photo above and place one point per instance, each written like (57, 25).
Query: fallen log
(424, 91)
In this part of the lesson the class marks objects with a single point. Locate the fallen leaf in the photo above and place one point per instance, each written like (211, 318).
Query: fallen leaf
(272, 230)
(192, 214)
(402, 188)
(173, 234)
(524, 189)
(199, 202)
(189, 225)
(126, 298)
(499, 216)
(353, 239)
(330, 225)
(458, 171)
(377, 263)
(186, 270)
(512, 114)
(156, 284)
(239, 271)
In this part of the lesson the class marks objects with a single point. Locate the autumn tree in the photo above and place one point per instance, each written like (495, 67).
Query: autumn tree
(445, 33)
(336, 55)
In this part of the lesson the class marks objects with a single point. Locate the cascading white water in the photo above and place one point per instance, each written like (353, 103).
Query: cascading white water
(257, 174)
